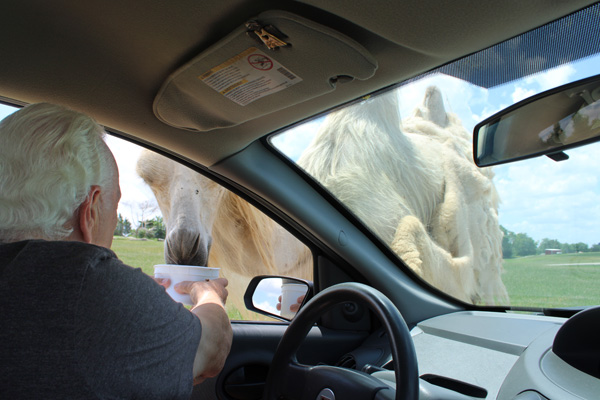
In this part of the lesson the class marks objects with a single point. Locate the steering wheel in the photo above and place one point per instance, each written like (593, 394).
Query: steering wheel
(289, 379)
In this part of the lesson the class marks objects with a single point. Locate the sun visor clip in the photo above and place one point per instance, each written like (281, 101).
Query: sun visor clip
(267, 35)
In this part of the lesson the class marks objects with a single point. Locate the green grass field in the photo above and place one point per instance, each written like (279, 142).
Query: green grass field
(541, 281)
(535, 281)
(142, 254)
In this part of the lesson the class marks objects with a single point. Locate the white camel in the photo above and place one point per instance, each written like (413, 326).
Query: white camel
(415, 185)
(209, 225)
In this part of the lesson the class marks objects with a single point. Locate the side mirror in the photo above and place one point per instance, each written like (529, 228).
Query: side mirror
(546, 124)
(279, 297)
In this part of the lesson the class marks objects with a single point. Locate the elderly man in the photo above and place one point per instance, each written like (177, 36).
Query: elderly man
(76, 321)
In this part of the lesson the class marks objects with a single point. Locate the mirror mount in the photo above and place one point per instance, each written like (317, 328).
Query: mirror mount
(559, 156)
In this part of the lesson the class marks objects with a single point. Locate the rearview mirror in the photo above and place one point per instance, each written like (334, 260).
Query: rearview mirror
(277, 296)
(545, 124)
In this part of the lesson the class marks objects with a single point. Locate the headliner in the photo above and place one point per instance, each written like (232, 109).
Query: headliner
(109, 59)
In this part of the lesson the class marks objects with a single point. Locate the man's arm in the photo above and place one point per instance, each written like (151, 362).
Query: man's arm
(217, 335)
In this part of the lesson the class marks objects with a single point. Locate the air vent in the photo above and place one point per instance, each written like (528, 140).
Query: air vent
(347, 361)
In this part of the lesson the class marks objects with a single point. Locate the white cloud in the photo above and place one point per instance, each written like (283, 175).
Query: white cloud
(555, 77)
(270, 285)
(295, 140)
(557, 200)
(488, 111)
(5, 111)
(541, 82)
(133, 189)
(266, 306)
(521, 93)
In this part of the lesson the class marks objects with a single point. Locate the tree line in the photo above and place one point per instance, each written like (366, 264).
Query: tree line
(147, 229)
(513, 244)
(520, 244)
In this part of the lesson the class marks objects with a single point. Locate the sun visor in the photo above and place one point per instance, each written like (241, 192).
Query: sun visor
(272, 62)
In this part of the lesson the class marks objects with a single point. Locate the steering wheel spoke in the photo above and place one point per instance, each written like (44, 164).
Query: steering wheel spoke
(294, 381)
(345, 383)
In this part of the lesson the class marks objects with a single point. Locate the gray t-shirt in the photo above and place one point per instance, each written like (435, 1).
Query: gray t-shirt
(78, 323)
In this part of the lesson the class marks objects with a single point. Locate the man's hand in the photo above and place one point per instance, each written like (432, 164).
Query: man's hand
(164, 282)
(294, 307)
(209, 298)
(202, 292)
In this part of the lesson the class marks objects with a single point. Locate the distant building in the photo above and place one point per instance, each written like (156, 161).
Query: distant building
(553, 251)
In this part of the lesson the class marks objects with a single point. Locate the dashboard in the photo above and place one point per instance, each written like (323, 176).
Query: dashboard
(486, 355)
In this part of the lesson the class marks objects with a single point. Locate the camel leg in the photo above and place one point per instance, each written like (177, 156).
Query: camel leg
(429, 261)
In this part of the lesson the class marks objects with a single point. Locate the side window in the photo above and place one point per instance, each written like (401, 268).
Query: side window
(170, 214)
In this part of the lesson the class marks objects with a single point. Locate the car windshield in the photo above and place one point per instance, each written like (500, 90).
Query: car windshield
(523, 234)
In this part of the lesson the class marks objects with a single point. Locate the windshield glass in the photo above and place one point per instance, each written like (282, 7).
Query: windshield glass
(523, 234)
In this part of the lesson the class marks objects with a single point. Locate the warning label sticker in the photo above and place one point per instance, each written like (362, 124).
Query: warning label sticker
(249, 76)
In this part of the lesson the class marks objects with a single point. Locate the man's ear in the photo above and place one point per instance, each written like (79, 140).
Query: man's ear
(89, 214)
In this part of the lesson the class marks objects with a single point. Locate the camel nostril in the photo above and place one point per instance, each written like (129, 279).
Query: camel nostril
(195, 248)
(186, 247)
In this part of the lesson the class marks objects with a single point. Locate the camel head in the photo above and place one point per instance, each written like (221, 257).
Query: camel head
(433, 108)
(188, 202)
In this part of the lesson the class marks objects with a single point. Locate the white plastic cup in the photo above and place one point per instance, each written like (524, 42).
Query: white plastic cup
(179, 273)
(289, 296)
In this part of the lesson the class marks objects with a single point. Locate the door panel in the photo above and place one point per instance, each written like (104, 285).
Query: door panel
(253, 347)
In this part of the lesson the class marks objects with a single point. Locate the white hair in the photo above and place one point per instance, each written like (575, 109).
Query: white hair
(50, 157)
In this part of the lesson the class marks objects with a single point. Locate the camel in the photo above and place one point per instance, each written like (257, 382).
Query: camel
(208, 225)
(415, 185)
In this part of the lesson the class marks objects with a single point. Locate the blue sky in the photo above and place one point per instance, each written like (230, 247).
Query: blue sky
(539, 197)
